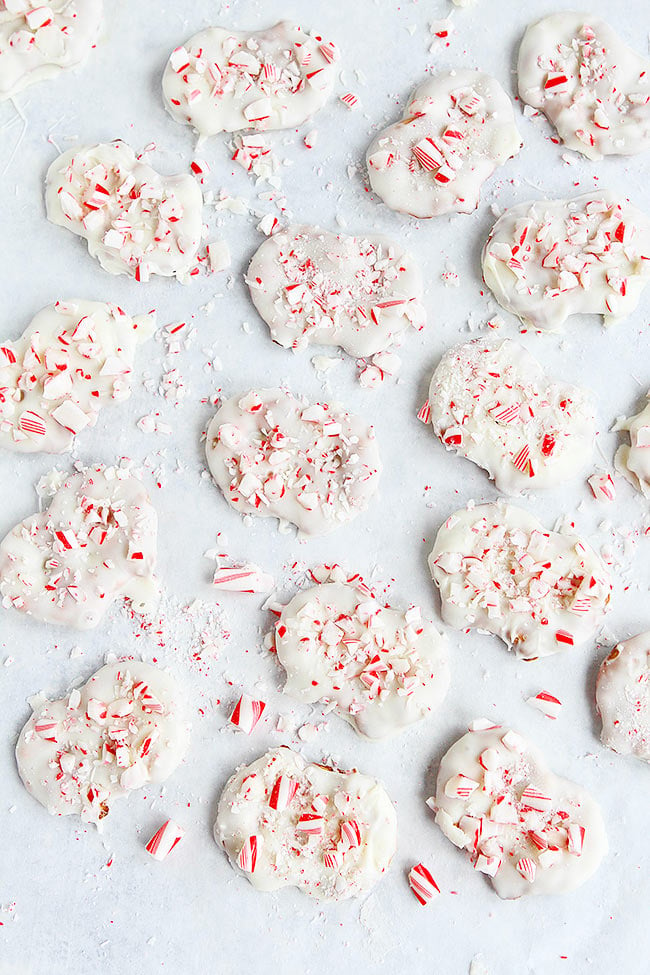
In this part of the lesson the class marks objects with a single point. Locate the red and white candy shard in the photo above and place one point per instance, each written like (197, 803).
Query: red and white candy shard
(74, 358)
(124, 728)
(223, 81)
(38, 40)
(623, 698)
(275, 455)
(529, 830)
(246, 578)
(315, 287)
(381, 668)
(498, 570)
(591, 86)
(164, 840)
(286, 823)
(548, 260)
(457, 128)
(135, 220)
(493, 403)
(422, 883)
(95, 543)
(633, 461)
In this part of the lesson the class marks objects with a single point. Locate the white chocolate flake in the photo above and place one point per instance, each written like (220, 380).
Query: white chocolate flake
(125, 727)
(95, 543)
(497, 569)
(284, 822)
(276, 455)
(457, 128)
(492, 403)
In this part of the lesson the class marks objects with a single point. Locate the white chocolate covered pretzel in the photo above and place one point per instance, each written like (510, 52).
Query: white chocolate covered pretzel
(381, 668)
(125, 727)
(633, 461)
(314, 287)
(39, 40)
(222, 80)
(527, 829)
(286, 823)
(457, 128)
(497, 569)
(623, 697)
(95, 543)
(74, 358)
(276, 455)
(591, 86)
(134, 220)
(550, 259)
(493, 403)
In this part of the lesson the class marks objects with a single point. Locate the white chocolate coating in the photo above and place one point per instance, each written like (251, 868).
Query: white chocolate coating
(529, 830)
(493, 403)
(74, 358)
(223, 81)
(550, 259)
(591, 86)
(314, 287)
(457, 128)
(623, 698)
(39, 40)
(497, 569)
(633, 461)
(135, 220)
(125, 727)
(320, 854)
(382, 668)
(276, 455)
(95, 543)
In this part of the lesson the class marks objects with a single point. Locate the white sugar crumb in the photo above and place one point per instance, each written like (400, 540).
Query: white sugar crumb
(477, 966)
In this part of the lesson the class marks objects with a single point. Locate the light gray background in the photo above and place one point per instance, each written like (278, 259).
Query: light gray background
(64, 909)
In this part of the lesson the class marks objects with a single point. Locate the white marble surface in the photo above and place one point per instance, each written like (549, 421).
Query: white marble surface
(64, 908)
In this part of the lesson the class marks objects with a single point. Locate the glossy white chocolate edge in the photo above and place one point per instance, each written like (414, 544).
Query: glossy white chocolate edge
(37, 41)
(285, 822)
(623, 698)
(135, 220)
(633, 460)
(591, 86)
(223, 81)
(74, 358)
(493, 403)
(276, 455)
(458, 127)
(312, 286)
(380, 668)
(526, 828)
(548, 260)
(95, 542)
(125, 727)
(500, 571)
